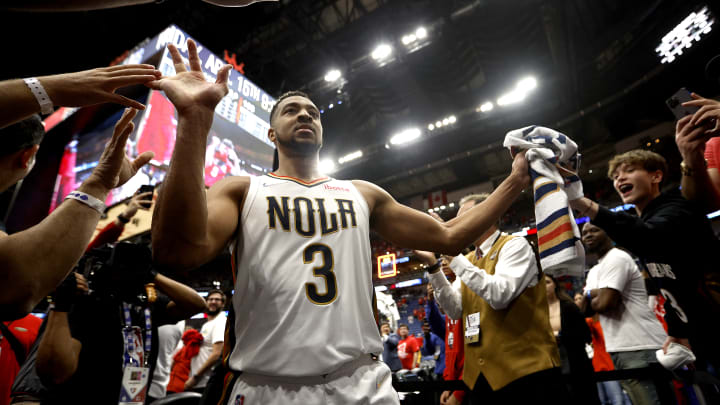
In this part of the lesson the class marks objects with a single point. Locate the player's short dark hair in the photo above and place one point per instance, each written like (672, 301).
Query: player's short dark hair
(216, 291)
(289, 94)
(21, 135)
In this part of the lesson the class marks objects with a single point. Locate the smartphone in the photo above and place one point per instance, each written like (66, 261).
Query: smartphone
(146, 188)
(674, 103)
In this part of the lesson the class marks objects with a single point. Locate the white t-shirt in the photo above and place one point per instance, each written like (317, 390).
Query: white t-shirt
(168, 338)
(632, 326)
(213, 332)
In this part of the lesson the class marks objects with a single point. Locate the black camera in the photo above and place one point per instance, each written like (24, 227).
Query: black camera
(117, 272)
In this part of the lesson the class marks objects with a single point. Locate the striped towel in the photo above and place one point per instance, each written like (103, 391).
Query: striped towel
(549, 153)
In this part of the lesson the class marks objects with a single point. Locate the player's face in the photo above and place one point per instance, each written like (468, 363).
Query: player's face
(297, 124)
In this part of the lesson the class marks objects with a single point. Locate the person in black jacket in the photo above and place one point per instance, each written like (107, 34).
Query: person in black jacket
(674, 240)
(572, 334)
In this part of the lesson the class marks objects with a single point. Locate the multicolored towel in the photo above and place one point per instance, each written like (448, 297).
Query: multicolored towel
(549, 153)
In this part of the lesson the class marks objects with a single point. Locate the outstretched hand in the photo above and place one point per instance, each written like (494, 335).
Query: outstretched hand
(188, 90)
(114, 168)
(97, 86)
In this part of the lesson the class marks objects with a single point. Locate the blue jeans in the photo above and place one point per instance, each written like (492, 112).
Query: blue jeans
(641, 392)
(611, 393)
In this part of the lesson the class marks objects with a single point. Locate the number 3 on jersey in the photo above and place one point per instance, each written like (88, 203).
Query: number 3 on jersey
(325, 271)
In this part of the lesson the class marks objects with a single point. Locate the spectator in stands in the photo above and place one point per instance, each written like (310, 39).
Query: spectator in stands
(26, 276)
(510, 352)
(615, 289)
(573, 336)
(168, 340)
(390, 347)
(700, 150)
(452, 330)
(85, 346)
(213, 332)
(16, 339)
(408, 348)
(435, 347)
(675, 241)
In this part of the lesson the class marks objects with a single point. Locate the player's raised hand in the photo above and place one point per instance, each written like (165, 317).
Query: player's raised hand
(97, 86)
(188, 90)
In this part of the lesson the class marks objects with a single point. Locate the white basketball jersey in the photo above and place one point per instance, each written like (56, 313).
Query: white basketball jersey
(303, 292)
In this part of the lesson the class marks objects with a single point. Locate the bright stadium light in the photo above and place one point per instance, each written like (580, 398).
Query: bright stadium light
(409, 39)
(446, 121)
(438, 124)
(421, 33)
(382, 51)
(518, 94)
(431, 127)
(486, 106)
(332, 75)
(405, 136)
(326, 166)
(350, 156)
(452, 119)
(527, 84)
(690, 30)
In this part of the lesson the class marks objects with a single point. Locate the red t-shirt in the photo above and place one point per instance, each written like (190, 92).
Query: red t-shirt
(601, 359)
(406, 351)
(712, 153)
(25, 331)
(454, 353)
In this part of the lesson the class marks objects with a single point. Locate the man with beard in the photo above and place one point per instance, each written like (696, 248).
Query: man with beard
(304, 330)
(213, 332)
(615, 289)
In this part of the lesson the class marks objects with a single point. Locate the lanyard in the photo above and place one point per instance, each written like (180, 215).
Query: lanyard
(130, 336)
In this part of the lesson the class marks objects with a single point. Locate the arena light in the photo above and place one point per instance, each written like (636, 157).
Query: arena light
(486, 106)
(431, 127)
(381, 52)
(452, 119)
(690, 30)
(326, 166)
(438, 124)
(409, 39)
(405, 136)
(518, 94)
(332, 75)
(350, 156)
(421, 33)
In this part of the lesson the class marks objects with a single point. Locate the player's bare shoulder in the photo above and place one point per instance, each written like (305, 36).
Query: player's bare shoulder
(233, 188)
(373, 194)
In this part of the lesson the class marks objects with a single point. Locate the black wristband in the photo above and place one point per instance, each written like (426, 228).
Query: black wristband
(434, 268)
(123, 219)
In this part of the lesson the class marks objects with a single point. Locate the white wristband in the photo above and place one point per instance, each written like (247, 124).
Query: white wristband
(88, 200)
(37, 89)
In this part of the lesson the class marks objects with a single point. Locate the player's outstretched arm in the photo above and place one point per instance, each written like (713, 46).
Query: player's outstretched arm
(189, 228)
(407, 227)
(76, 89)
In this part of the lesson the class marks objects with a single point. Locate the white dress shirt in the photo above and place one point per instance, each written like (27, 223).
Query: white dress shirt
(515, 271)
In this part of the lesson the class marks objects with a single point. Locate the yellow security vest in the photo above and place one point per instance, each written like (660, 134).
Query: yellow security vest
(515, 341)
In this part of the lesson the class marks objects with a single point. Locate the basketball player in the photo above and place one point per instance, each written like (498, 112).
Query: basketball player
(304, 329)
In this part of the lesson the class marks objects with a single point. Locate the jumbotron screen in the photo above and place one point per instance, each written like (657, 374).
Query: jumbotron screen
(237, 143)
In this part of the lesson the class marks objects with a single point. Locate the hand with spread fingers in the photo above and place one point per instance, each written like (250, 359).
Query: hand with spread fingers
(188, 90)
(97, 86)
(114, 168)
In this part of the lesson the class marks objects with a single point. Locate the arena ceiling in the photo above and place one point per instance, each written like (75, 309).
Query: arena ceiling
(598, 77)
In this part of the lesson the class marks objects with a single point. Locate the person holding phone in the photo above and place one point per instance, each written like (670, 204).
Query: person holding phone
(695, 136)
(142, 200)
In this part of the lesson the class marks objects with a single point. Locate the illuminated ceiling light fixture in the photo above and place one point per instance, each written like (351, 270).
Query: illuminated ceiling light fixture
(438, 124)
(518, 94)
(405, 136)
(330, 107)
(350, 156)
(690, 30)
(409, 39)
(486, 106)
(431, 127)
(452, 119)
(332, 75)
(381, 52)
(446, 121)
(326, 166)
(421, 33)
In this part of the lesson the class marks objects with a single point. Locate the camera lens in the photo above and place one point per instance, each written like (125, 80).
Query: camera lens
(673, 102)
